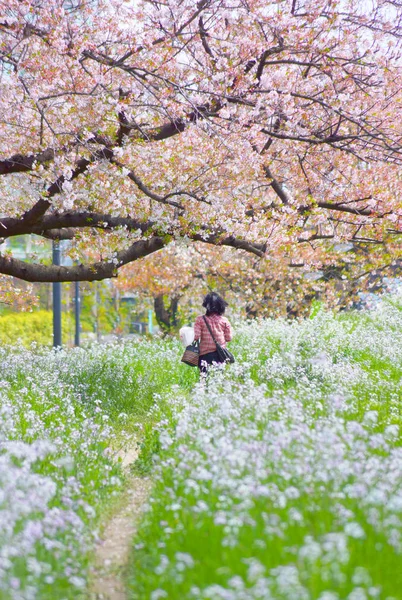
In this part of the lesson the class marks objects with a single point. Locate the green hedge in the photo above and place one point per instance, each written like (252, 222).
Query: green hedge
(31, 327)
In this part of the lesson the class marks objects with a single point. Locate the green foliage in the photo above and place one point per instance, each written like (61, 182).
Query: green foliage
(29, 327)
(149, 449)
(316, 307)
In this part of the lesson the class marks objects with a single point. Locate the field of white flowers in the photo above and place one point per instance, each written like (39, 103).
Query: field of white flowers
(282, 479)
(62, 417)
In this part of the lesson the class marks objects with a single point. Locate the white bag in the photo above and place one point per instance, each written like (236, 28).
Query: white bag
(186, 336)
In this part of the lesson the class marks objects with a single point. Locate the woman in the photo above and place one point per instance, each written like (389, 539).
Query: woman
(220, 327)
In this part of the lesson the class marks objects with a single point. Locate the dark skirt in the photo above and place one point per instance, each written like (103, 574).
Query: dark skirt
(207, 359)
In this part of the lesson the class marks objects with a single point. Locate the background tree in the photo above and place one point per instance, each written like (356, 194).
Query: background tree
(178, 277)
(175, 274)
(263, 126)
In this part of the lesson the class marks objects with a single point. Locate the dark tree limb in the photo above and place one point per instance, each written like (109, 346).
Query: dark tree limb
(276, 186)
(70, 220)
(34, 214)
(218, 239)
(93, 272)
(367, 212)
(22, 163)
(203, 36)
(19, 163)
(316, 236)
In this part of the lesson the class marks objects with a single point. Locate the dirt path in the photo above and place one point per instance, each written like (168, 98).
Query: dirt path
(112, 552)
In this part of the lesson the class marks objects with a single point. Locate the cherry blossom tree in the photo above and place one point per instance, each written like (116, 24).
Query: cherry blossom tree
(16, 296)
(268, 126)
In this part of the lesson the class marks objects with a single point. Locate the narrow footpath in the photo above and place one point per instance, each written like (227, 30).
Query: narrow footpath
(112, 551)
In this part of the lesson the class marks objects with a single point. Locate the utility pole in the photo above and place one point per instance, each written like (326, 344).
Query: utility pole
(56, 298)
(96, 310)
(77, 313)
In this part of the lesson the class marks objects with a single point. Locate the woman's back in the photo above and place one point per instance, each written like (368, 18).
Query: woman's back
(220, 328)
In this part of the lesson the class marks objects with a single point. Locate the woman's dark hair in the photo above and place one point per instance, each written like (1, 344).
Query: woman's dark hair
(214, 304)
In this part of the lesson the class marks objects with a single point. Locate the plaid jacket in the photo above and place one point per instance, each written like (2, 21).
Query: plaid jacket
(220, 327)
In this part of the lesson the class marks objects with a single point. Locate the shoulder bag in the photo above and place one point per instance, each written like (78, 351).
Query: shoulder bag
(223, 353)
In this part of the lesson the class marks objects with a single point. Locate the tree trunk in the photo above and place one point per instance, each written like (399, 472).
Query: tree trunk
(166, 315)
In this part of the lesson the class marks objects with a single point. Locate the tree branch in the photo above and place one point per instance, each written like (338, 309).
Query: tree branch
(93, 272)
(218, 239)
(276, 186)
(141, 186)
(18, 163)
(203, 36)
(344, 208)
(10, 227)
